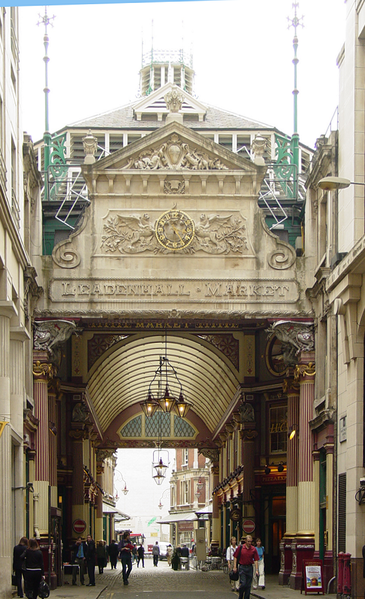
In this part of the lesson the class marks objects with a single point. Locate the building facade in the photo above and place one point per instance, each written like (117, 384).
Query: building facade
(19, 213)
(170, 232)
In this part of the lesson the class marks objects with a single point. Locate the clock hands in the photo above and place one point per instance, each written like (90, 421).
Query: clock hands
(177, 233)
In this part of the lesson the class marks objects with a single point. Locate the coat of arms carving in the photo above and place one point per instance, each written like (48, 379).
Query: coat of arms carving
(175, 154)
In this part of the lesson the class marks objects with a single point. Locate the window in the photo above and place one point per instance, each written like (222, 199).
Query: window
(13, 78)
(342, 512)
(185, 458)
(185, 492)
(278, 429)
(13, 31)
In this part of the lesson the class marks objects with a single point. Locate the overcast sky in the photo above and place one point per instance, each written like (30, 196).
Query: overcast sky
(135, 465)
(242, 52)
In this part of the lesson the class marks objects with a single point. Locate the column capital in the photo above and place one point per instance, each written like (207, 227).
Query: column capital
(304, 372)
(211, 453)
(248, 434)
(43, 370)
(290, 386)
(103, 454)
(78, 434)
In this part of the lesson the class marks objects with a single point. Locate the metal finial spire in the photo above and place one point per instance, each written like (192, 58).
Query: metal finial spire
(46, 20)
(295, 22)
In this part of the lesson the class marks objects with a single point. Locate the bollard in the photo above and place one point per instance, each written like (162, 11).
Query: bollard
(340, 559)
(347, 573)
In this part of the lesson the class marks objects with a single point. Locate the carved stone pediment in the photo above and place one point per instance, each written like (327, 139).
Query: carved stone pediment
(174, 147)
(157, 103)
(175, 154)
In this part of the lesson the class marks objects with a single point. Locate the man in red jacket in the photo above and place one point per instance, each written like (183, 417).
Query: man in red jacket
(245, 556)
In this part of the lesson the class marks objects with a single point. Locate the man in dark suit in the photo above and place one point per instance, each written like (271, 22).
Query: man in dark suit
(18, 563)
(90, 556)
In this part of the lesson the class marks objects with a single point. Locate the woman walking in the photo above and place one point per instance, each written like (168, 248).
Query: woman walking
(34, 568)
(259, 581)
(235, 584)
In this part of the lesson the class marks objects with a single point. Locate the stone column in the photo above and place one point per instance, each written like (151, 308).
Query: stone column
(303, 545)
(215, 511)
(53, 391)
(5, 458)
(286, 558)
(248, 436)
(42, 372)
(99, 498)
(78, 504)
(17, 377)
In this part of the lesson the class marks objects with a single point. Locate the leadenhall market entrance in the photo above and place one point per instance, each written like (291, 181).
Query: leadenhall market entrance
(174, 263)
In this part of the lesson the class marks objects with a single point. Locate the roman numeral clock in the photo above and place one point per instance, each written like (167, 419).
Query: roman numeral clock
(175, 230)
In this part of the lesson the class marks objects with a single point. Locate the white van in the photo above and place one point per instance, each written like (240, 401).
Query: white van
(163, 549)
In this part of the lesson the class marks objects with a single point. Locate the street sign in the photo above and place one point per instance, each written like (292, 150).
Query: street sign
(79, 526)
(248, 526)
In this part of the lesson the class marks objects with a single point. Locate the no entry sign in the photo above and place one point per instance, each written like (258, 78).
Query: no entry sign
(79, 526)
(248, 526)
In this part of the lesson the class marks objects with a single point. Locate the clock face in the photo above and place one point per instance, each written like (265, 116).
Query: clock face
(175, 230)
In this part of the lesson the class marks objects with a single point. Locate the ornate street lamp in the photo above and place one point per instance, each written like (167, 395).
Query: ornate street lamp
(164, 401)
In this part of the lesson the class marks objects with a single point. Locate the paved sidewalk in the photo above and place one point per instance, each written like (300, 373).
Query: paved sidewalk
(275, 591)
(155, 583)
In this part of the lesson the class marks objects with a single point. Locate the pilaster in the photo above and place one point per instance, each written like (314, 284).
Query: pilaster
(5, 457)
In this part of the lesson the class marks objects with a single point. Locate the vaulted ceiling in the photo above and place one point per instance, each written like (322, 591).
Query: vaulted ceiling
(121, 378)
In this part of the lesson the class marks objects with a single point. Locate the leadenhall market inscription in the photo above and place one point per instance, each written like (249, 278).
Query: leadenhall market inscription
(119, 290)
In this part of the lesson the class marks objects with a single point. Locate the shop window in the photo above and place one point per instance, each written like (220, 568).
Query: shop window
(278, 429)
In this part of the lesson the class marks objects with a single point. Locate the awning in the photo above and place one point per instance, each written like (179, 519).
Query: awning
(187, 517)
(109, 509)
(208, 509)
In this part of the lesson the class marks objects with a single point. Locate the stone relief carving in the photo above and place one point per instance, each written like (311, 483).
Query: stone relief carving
(214, 234)
(80, 413)
(174, 186)
(175, 155)
(295, 337)
(247, 413)
(174, 100)
(50, 333)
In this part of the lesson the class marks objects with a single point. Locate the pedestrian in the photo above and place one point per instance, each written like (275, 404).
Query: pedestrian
(78, 561)
(175, 561)
(169, 554)
(18, 563)
(260, 580)
(140, 555)
(244, 556)
(134, 553)
(113, 554)
(34, 568)
(101, 556)
(184, 556)
(230, 559)
(125, 552)
(155, 554)
(90, 556)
